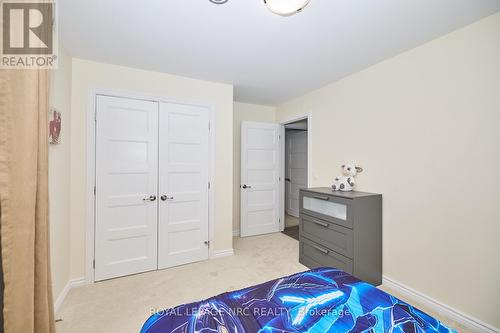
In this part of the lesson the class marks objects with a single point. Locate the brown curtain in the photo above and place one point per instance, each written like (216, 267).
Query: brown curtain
(27, 298)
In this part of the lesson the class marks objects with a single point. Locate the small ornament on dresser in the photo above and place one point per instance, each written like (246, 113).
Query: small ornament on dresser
(346, 182)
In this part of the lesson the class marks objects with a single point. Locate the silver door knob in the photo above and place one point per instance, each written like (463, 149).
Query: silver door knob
(166, 197)
(245, 186)
(150, 198)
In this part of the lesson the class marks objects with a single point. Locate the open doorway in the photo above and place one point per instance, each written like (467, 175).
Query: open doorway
(296, 172)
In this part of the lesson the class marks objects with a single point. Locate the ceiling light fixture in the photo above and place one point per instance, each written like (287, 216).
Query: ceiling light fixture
(286, 7)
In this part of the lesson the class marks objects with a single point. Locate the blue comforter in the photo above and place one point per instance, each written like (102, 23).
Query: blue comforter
(321, 300)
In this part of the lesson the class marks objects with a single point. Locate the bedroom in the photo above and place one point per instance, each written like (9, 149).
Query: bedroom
(156, 147)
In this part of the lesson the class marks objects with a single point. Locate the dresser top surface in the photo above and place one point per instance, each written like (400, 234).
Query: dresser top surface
(340, 194)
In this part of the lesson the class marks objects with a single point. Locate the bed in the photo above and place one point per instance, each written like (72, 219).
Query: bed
(320, 300)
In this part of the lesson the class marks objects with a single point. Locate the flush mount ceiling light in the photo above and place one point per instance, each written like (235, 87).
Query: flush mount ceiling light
(286, 7)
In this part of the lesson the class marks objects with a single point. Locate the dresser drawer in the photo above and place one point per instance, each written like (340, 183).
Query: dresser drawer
(333, 236)
(326, 207)
(314, 255)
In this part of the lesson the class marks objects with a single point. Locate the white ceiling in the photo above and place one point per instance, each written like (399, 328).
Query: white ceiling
(268, 58)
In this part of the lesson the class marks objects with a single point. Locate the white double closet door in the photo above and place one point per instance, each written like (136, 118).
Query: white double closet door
(151, 198)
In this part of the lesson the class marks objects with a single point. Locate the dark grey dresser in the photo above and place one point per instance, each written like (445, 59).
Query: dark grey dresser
(342, 230)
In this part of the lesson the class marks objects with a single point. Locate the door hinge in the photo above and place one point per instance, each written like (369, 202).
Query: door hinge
(209, 126)
(209, 185)
(94, 190)
(93, 263)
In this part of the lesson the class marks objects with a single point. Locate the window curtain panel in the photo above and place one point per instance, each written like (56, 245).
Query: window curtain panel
(27, 298)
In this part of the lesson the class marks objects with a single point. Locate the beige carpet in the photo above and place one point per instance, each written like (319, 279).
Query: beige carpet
(122, 305)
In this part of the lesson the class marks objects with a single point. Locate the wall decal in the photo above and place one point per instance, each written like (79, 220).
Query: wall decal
(54, 126)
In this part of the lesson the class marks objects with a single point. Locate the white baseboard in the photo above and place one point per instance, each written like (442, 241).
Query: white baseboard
(60, 299)
(78, 282)
(236, 233)
(223, 253)
(470, 322)
(70, 285)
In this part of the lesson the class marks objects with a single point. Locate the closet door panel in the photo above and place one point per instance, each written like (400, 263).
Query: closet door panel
(183, 183)
(126, 178)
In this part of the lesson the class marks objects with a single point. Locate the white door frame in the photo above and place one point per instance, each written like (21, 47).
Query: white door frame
(91, 166)
(304, 116)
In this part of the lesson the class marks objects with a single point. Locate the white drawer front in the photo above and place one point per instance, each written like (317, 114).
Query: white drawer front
(324, 207)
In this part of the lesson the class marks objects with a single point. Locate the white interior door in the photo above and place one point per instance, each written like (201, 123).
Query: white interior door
(296, 169)
(260, 169)
(184, 165)
(126, 187)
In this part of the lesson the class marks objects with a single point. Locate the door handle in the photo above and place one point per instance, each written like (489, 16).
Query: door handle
(245, 186)
(288, 179)
(166, 197)
(322, 198)
(150, 198)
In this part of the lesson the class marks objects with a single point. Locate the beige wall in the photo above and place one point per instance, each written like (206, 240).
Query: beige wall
(90, 75)
(59, 176)
(248, 112)
(425, 126)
